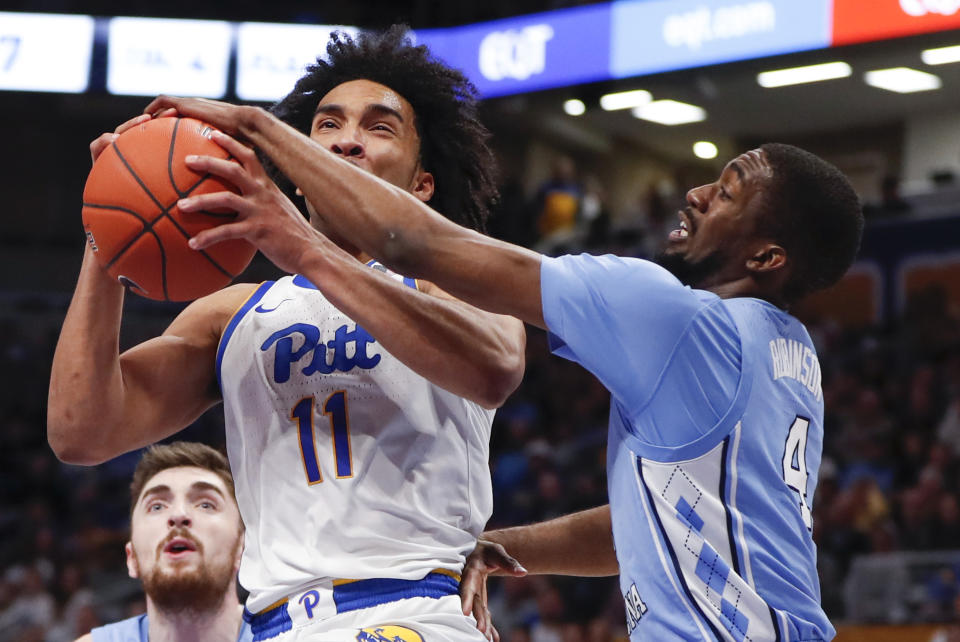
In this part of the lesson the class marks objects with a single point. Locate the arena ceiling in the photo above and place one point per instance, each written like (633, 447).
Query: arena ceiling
(739, 109)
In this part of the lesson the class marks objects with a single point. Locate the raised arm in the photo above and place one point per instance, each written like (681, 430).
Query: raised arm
(381, 219)
(474, 354)
(101, 403)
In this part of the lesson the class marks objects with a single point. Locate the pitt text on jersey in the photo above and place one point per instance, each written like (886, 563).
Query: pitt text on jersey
(319, 361)
(793, 359)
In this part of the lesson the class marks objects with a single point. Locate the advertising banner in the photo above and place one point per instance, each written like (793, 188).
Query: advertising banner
(271, 57)
(868, 20)
(45, 52)
(528, 53)
(650, 36)
(149, 56)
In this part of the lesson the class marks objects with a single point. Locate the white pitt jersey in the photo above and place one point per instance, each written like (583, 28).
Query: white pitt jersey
(347, 464)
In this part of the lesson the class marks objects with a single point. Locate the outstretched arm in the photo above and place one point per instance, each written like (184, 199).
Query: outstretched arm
(474, 354)
(380, 219)
(577, 544)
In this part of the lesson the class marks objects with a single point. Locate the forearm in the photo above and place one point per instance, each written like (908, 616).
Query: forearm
(372, 209)
(85, 381)
(474, 354)
(576, 544)
(392, 225)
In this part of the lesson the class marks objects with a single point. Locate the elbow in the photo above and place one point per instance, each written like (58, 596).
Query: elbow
(407, 247)
(400, 253)
(501, 381)
(70, 445)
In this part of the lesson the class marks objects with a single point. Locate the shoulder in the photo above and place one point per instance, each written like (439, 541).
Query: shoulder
(609, 274)
(122, 631)
(211, 313)
(751, 312)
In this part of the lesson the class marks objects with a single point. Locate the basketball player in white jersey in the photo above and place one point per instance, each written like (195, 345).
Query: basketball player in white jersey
(185, 542)
(362, 485)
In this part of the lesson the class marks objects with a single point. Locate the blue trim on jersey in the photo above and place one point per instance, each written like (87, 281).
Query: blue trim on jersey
(366, 593)
(673, 554)
(734, 551)
(352, 596)
(270, 624)
(234, 322)
(303, 282)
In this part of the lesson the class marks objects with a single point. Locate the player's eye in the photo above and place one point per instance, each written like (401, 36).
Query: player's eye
(153, 507)
(380, 127)
(326, 124)
(207, 505)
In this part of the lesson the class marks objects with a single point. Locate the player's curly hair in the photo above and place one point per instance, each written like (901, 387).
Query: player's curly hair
(453, 142)
(816, 216)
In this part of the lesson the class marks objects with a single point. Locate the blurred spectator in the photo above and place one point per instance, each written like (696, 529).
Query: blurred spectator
(659, 215)
(594, 213)
(32, 609)
(557, 203)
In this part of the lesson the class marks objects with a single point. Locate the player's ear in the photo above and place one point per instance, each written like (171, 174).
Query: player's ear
(238, 556)
(423, 185)
(133, 569)
(769, 257)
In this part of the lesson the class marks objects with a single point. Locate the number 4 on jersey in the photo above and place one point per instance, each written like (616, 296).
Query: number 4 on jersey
(335, 407)
(795, 465)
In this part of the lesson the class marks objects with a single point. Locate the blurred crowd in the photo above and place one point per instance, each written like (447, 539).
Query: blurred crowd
(889, 481)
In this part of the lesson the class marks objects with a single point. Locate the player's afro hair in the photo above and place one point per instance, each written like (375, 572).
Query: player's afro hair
(815, 215)
(453, 142)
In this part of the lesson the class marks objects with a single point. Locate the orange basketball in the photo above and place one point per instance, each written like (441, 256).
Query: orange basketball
(132, 221)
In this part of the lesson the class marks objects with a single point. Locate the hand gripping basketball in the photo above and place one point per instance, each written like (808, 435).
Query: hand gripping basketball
(131, 218)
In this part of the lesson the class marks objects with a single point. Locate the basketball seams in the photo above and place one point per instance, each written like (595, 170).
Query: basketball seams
(176, 224)
(116, 208)
(136, 177)
(147, 227)
(150, 225)
(173, 144)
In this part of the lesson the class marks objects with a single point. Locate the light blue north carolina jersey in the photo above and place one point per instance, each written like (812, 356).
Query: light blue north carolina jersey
(136, 629)
(716, 430)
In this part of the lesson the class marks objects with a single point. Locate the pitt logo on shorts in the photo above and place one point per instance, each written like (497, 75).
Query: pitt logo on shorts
(388, 633)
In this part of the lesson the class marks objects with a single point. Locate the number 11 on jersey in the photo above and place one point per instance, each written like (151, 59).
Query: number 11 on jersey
(335, 408)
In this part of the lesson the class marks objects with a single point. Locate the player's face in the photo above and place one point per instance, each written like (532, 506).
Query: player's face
(186, 538)
(373, 127)
(717, 226)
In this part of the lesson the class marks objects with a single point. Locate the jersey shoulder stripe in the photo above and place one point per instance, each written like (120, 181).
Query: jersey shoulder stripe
(241, 312)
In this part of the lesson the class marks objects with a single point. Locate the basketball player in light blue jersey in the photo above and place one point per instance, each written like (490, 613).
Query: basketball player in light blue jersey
(716, 423)
(186, 537)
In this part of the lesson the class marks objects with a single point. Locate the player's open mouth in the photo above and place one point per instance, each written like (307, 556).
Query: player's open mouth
(683, 231)
(179, 546)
